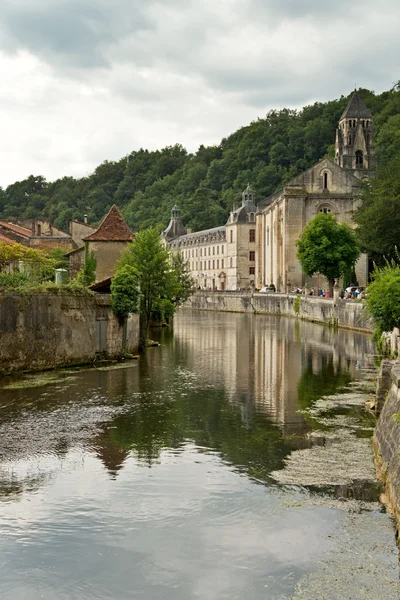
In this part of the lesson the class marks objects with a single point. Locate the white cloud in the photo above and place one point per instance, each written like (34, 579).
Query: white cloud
(86, 81)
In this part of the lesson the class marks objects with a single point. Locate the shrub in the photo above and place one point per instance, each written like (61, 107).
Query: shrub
(163, 311)
(14, 281)
(125, 292)
(383, 297)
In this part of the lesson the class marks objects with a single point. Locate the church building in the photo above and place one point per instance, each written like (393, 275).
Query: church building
(330, 186)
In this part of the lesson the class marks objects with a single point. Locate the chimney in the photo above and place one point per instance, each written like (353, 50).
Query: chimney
(85, 219)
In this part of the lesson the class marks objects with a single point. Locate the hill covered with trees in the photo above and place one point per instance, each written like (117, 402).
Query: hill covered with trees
(146, 184)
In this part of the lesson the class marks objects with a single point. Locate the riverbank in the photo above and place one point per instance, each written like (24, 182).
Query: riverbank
(40, 331)
(386, 440)
(327, 311)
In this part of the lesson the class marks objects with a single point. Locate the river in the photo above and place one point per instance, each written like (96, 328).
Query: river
(232, 462)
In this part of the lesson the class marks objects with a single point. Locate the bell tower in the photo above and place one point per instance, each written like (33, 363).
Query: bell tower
(355, 139)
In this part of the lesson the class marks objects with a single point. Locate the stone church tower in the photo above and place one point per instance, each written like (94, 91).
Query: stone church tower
(355, 139)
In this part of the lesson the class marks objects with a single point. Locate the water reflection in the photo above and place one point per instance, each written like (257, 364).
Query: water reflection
(144, 480)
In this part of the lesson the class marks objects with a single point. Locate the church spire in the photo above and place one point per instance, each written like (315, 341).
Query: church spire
(355, 138)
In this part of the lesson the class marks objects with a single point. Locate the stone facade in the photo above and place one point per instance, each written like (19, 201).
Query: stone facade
(107, 243)
(340, 313)
(43, 331)
(331, 186)
(222, 258)
(386, 442)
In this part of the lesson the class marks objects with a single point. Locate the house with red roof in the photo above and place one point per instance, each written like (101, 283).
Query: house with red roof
(107, 243)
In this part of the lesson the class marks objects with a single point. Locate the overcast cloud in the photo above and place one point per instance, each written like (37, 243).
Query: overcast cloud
(83, 81)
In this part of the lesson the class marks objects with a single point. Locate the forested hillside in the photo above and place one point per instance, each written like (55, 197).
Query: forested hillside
(266, 153)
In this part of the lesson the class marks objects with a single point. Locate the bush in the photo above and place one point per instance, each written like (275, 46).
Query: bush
(125, 293)
(14, 281)
(383, 297)
(162, 311)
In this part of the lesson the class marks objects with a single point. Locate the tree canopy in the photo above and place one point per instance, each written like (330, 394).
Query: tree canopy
(327, 247)
(150, 267)
(381, 198)
(383, 298)
(146, 184)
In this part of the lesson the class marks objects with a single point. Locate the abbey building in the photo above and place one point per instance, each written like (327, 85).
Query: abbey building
(257, 245)
(330, 186)
(222, 258)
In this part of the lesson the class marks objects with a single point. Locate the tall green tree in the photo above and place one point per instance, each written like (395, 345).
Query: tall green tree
(378, 217)
(327, 247)
(150, 262)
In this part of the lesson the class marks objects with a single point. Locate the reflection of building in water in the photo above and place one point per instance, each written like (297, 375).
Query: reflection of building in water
(111, 455)
(274, 363)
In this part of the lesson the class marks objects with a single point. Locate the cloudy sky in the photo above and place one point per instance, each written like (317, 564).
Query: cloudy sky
(87, 80)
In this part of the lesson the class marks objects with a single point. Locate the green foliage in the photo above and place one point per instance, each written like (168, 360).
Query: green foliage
(87, 275)
(184, 286)
(125, 294)
(10, 282)
(383, 298)
(381, 198)
(268, 153)
(296, 304)
(162, 312)
(327, 247)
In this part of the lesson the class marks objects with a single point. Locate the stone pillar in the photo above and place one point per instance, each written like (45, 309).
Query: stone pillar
(336, 293)
(383, 384)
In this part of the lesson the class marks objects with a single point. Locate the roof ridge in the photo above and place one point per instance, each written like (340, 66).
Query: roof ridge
(113, 228)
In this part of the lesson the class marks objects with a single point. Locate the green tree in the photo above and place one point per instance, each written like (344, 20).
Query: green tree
(87, 275)
(125, 294)
(184, 286)
(150, 261)
(327, 247)
(383, 298)
(381, 198)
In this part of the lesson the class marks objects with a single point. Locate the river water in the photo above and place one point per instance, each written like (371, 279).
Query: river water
(232, 462)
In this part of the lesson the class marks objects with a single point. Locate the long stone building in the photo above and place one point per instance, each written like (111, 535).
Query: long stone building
(222, 258)
(330, 186)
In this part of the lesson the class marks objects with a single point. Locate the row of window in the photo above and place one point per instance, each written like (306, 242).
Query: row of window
(196, 252)
(252, 236)
(216, 250)
(214, 264)
(353, 123)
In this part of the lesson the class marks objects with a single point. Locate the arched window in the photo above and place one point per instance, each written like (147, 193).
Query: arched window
(349, 143)
(325, 210)
(359, 159)
(354, 123)
(325, 181)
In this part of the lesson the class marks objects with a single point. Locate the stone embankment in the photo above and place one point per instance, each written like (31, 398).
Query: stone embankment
(329, 311)
(43, 331)
(386, 438)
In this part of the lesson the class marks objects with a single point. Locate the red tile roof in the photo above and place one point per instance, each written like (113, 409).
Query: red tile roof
(112, 229)
(16, 229)
(6, 240)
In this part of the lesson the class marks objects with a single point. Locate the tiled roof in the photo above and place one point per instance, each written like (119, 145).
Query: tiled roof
(6, 240)
(16, 229)
(112, 229)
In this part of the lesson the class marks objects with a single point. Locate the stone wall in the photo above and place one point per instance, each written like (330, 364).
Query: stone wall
(319, 310)
(386, 443)
(41, 331)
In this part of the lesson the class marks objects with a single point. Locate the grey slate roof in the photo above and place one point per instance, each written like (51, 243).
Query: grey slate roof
(356, 108)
